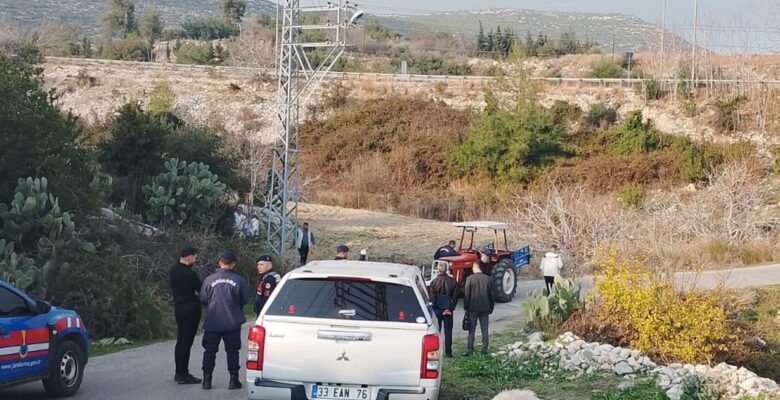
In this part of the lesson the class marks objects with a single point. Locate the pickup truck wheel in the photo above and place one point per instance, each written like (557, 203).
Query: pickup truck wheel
(67, 370)
(504, 281)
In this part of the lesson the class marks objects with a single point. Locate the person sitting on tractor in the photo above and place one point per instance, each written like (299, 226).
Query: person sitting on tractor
(446, 251)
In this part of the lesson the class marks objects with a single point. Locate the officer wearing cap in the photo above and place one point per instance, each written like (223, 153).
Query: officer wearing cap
(224, 295)
(341, 252)
(268, 281)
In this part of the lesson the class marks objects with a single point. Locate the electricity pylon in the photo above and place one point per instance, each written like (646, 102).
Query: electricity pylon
(298, 79)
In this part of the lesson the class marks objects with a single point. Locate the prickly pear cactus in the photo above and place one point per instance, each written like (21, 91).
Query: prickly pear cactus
(186, 194)
(34, 220)
(16, 269)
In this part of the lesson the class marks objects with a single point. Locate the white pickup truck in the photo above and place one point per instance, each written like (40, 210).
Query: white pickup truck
(346, 330)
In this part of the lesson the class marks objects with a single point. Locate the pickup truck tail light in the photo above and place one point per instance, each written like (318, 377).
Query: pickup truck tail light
(429, 367)
(256, 348)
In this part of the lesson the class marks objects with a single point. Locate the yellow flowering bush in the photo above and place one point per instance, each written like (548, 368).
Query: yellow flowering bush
(654, 316)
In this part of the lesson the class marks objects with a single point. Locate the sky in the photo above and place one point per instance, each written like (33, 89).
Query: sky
(727, 23)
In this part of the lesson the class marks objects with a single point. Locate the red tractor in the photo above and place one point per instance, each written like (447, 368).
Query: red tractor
(502, 268)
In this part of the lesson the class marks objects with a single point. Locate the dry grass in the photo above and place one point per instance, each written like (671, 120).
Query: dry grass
(727, 223)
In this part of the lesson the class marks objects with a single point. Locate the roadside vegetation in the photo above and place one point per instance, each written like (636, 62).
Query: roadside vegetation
(92, 217)
(482, 377)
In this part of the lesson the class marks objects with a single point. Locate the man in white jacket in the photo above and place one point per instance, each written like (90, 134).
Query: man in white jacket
(551, 266)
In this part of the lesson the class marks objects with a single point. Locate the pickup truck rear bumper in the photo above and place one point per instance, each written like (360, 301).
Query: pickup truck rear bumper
(296, 392)
(281, 390)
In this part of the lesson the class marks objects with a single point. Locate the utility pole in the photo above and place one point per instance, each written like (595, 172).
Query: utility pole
(613, 47)
(694, 44)
(663, 35)
(297, 81)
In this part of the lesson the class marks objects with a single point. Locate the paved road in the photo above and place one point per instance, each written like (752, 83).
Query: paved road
(147, 372)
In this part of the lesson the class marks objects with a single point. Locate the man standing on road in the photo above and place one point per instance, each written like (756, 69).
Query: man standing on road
(341, 252)
(479, 304)
(446, 251)
(443, 292)
(304, 242)
(551, 267)
(268, 281)
(185, 286)
(224, 294)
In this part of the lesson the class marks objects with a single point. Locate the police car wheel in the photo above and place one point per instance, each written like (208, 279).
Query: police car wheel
(67, 370)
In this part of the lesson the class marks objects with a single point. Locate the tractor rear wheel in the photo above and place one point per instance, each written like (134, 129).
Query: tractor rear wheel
(504, 278)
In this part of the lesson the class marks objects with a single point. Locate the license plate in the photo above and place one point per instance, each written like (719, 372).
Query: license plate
(326, 392)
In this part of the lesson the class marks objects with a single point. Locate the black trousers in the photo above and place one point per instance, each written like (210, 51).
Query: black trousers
(304, 253)
(187, 321)
(445, 321)
(211, 339)
(482, 318)
(549, 282)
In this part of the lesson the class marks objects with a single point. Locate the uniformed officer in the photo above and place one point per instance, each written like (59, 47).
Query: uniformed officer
(268, 281)
(224, 294)
(185, 285)
(341, 252)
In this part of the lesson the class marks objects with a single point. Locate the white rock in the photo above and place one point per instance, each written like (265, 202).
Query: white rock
(622, 368)
(625, 353)
(537, 337)
(675, 392)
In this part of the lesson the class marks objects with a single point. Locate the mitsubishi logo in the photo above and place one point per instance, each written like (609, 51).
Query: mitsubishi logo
(343, 356)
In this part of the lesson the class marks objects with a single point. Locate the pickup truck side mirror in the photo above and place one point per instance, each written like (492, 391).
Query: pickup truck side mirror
(42, 307)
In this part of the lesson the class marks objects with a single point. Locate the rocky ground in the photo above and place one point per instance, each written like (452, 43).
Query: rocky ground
(572, 354)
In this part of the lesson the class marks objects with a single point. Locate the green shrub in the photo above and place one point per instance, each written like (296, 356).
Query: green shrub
(200, 54)
(111, 298)
(775, 152)
(131, 48)
(562, 111)
(506, 145)
(134, 152)
(600, 115)
(161, 98)
(727, 113)
(645, 389)
(606, 69)
(632, 197)
(186, 194)
(549, 312)
(653, 90)
(210, 28)
(36, 139)
(633, 137)
(697, 388)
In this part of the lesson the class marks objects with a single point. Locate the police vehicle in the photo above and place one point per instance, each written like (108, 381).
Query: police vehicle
(40, 342)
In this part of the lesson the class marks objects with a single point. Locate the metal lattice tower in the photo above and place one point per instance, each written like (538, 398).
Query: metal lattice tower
(298, 79)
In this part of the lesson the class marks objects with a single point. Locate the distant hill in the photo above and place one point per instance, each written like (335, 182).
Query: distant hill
(630, 32)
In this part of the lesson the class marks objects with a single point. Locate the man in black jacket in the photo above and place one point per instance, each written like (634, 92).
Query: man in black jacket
(479, 304)
(185, 286)
(224, 294)
(443, 292)
(446, 251)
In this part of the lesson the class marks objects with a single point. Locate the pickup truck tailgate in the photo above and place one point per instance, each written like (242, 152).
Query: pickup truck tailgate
(341, 354)
(344, 331)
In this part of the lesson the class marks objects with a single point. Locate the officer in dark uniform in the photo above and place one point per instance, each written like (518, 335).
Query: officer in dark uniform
(446, 251)
(224, 294)
(268, 281)
(341, 252)
(185, 285)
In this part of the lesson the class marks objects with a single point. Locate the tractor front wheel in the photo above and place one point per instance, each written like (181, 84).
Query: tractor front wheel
(504, 281)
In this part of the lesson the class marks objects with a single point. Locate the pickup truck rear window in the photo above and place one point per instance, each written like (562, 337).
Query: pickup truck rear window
(347, 299)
